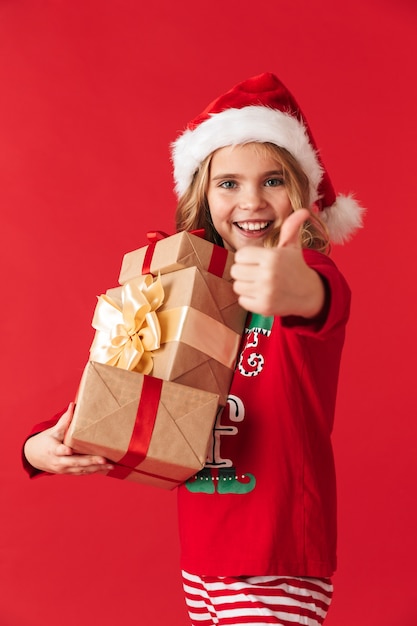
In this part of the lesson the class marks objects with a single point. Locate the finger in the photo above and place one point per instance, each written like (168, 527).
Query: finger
(250, 304)
(63, 450)
(91, 469)
(243, 288)
(245, 272)
(61, 428)
(84, 464)
(249, 255)
(64, 421)
(290, 229)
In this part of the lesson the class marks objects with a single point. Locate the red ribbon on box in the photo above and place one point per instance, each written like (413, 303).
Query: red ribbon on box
(143, 428)
(218, 255)
(157, 235)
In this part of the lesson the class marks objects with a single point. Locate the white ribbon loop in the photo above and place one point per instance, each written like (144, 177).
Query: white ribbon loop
(128, 332)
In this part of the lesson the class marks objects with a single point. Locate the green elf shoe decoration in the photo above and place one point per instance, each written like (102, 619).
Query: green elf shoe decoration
(228, 482)
(201, 482)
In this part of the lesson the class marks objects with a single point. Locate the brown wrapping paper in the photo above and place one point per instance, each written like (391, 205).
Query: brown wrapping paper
(202, 354)
(174, 253)
(105, 416)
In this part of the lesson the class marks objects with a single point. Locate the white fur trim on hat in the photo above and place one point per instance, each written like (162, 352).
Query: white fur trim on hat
(236, 126)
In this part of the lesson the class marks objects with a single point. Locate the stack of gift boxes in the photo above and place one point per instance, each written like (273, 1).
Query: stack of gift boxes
(161, 362)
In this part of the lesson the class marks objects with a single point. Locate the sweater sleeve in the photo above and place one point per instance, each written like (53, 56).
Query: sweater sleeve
(336, 309)
(38, 428)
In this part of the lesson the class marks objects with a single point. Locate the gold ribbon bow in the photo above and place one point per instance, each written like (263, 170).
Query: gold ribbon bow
(128, 332)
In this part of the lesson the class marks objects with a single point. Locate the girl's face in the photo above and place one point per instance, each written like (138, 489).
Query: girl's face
(246, 195)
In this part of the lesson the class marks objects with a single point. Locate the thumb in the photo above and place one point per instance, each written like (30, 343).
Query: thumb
(64, 421)
(290, 229)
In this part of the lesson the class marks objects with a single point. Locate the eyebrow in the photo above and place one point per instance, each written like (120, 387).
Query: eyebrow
(231, 175)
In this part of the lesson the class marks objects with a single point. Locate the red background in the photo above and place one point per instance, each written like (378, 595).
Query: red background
(92, 94)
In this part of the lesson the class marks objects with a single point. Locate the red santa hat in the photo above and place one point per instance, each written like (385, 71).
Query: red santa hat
(262, 109)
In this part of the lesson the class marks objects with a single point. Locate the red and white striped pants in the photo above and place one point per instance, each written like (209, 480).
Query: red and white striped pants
(256, 600)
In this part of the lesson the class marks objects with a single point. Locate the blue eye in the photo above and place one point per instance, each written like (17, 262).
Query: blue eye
(228, 184)
(274, 182)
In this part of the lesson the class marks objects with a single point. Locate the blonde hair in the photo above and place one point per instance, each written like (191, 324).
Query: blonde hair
(193, 210)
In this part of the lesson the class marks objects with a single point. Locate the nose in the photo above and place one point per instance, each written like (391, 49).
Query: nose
(251, 198)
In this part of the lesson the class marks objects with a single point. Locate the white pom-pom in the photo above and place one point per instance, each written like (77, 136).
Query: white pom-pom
(343, 218)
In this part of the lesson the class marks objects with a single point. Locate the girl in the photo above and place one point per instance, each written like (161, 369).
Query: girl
(258, 524)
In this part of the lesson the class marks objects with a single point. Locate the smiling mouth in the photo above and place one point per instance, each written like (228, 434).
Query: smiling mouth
(253, 227)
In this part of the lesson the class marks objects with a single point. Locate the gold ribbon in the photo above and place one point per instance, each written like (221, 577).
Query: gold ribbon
(200, 331)
(128, 333)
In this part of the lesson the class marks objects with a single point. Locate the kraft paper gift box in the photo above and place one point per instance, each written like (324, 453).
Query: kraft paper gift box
(156, 432)
(200, 324)
(176, 252)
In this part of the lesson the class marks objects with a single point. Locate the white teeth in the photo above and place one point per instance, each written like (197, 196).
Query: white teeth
(252, 226)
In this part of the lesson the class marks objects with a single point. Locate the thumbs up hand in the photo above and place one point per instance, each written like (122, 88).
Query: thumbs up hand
(277, 281)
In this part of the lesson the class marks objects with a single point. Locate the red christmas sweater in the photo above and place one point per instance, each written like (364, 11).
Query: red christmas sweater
(265, 504)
